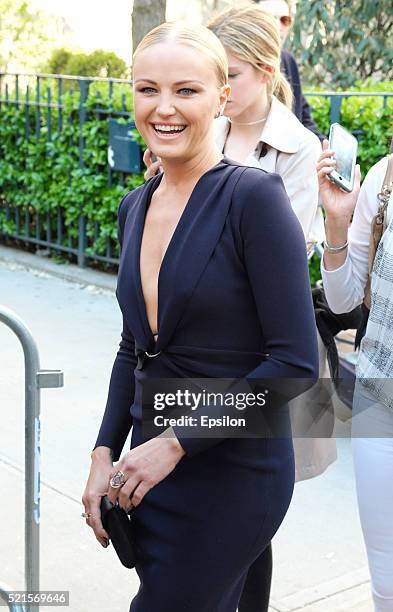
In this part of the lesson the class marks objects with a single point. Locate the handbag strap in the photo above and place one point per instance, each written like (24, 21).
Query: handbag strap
(378, 225)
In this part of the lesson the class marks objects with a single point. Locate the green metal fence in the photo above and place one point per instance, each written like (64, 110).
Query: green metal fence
(336, 99)
(50, 103)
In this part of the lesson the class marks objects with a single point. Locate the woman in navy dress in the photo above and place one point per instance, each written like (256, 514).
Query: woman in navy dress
(208, 289)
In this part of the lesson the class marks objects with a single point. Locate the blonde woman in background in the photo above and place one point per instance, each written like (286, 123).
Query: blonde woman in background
(283, 11)
(258, 129)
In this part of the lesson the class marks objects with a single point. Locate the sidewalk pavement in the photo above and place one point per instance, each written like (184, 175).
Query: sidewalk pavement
(319, 558)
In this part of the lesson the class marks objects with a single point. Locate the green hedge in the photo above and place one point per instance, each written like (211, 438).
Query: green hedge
(44, 174)
(364, 116)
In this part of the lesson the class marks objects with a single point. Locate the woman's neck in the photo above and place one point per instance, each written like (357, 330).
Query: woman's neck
(253, 117)
(184, 172)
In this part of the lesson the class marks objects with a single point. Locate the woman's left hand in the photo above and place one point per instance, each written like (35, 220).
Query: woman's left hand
(337, 203)
(145, 466)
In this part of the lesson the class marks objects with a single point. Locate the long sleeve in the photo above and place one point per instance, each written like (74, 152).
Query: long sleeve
(344, 287)
(117, 420)
(298, 172)
(275, 261)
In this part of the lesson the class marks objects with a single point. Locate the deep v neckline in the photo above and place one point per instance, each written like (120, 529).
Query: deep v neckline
(152, 188)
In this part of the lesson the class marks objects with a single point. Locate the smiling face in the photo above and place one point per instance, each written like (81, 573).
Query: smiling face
(248, 85)
(176, 96)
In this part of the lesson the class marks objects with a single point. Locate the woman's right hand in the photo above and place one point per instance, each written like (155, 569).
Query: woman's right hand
(153, 167)
(337, 203)
(96, 487)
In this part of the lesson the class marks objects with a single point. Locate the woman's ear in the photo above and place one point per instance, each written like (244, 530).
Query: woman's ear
(225, 92)
(266, 73)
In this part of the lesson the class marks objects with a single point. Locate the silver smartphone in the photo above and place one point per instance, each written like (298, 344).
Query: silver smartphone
(345, 146)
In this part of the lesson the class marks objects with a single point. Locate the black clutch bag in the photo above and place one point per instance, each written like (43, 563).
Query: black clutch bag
(118, 524)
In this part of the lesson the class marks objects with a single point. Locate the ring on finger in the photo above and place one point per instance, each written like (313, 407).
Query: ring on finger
(117, 480)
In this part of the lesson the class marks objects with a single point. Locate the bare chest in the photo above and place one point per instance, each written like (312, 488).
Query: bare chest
(162, 218)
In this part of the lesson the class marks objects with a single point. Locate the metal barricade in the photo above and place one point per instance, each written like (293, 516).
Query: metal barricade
(35, 380)
(4, 592)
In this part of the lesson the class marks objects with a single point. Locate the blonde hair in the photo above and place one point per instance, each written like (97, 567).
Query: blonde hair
(198, 37)
(252, 35)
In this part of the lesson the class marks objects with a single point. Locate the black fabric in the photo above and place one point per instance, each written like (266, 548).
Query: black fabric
(118, 525)
(361, 330)
(221, 308)
(256, 591)
(330, 324)
(301, 108)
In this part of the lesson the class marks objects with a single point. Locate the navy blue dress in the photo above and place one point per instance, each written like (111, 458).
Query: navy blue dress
(233, 301)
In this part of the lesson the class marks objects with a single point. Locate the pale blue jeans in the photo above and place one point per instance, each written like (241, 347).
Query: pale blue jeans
(372, 447)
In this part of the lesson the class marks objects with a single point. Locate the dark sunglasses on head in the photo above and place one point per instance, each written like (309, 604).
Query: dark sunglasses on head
(285, 20)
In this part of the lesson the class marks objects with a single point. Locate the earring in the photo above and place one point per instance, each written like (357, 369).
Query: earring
(218, 113)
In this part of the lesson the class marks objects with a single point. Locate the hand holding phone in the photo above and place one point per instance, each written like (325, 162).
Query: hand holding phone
(337, 202)
(345, 147)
